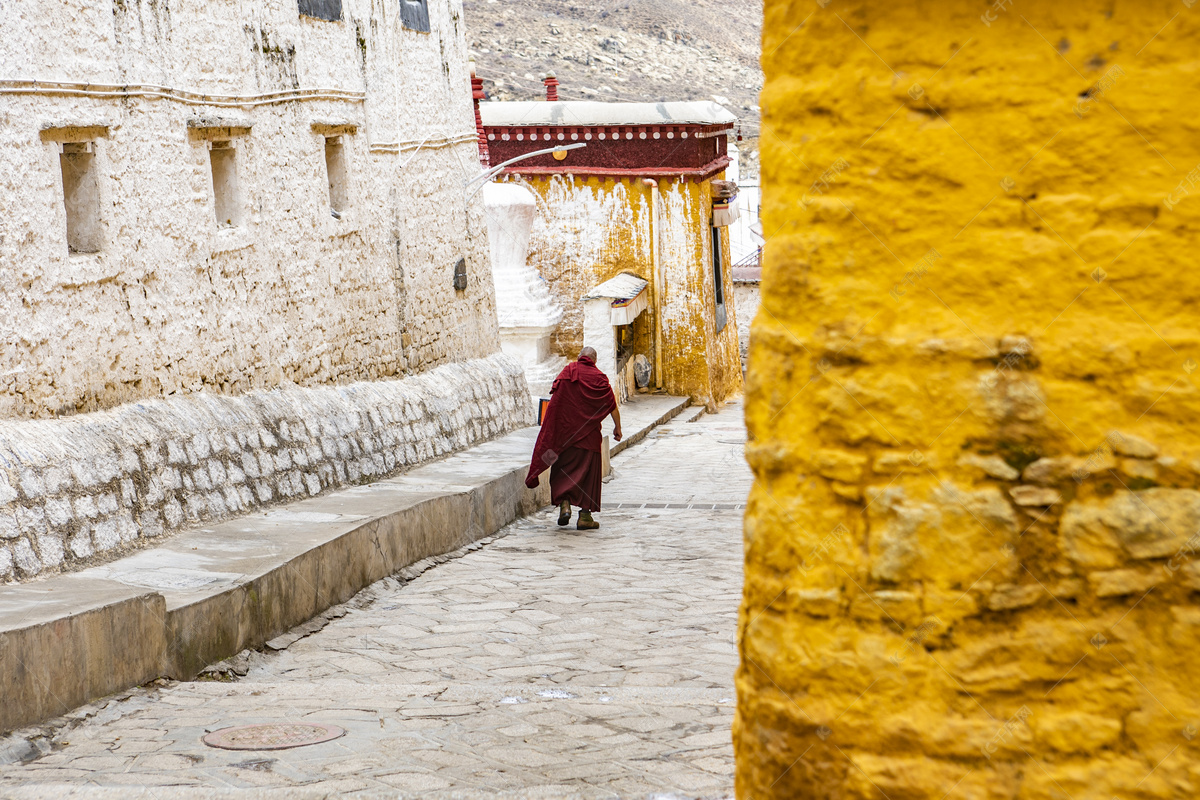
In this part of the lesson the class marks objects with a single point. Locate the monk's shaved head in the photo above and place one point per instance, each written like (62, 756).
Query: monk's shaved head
(588, 352)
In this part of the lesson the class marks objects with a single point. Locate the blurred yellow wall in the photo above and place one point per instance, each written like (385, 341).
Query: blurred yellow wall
(971, 548)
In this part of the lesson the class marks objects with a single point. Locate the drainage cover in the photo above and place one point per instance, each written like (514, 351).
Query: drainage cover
(273, 736)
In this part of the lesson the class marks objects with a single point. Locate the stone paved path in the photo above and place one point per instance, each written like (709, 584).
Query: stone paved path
(547, 663)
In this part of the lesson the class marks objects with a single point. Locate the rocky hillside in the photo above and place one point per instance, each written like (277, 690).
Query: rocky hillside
(631, 50)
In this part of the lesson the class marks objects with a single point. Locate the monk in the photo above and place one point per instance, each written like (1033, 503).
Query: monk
(569, 442)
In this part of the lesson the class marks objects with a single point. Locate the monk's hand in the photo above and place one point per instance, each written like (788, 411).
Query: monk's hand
(617, 433)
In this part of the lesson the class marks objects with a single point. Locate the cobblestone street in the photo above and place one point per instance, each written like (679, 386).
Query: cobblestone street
(544, 662)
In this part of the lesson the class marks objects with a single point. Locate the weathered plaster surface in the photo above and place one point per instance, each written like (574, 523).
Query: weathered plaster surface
(173, 304)
(971, 545)
(589, 230)
(79, 490)
(746, 299)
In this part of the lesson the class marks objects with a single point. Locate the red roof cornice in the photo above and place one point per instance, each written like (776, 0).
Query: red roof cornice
(700, 174)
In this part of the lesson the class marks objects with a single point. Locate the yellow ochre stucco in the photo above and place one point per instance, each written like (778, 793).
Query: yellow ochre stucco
(589, 230)
(972, 405)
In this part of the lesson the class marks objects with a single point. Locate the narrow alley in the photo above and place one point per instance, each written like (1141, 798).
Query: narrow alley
(543, 661)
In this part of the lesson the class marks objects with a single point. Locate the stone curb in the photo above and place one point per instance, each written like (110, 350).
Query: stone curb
(70, 791)
(73, 650)
(210, 593)
(641, 433)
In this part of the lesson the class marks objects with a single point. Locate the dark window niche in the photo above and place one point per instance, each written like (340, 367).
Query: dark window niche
(322, 9)
(414, 14)
(335, 171)
(81, 197)
(227, 199)
(718, 279)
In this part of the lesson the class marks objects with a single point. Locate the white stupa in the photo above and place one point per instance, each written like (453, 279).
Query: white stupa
(527, 313)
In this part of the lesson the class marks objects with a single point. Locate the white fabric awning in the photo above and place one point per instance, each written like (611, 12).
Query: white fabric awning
(628, 296)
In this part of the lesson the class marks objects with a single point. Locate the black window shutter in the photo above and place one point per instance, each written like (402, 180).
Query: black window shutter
(322, 9)
(414, 14)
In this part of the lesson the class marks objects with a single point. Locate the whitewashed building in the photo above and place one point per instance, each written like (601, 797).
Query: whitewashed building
(219, 221)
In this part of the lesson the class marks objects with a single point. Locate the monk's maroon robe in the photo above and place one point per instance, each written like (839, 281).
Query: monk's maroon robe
(569, 442)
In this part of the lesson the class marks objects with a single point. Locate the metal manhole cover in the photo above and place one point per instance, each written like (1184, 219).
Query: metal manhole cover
(273, 736)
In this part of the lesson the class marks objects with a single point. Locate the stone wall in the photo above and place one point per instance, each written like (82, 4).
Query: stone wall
(174, 300)
(971, 546)
(81, 490)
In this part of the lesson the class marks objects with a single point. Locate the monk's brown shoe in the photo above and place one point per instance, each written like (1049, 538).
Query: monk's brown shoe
(586, 523)
(564, 514)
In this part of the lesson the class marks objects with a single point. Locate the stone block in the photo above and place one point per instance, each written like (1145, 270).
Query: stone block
(105, 535)
(1008, 596)
(839, 465)
(1117, 582)
(1046, 471)
(816, 602)
(81, 543)
(890, 462)
(9, 528)
(31, 485)
(31, 519)
(7, 492)
(58, 512)
(1138, 468)
(26, 560)
(107, 503)
(56, 479)
(1127, 444)
(1034, 495)
(176, 453)
(49, 549)
(992, 466)
(1154, 523)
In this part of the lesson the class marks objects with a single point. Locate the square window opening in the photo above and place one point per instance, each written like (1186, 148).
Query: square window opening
(226, 197)
(718, 280)
(81, 197)
(335, 170)
(321, 9)
(414, 15)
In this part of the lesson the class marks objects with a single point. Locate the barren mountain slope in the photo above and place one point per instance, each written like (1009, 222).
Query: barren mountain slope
(624, 50)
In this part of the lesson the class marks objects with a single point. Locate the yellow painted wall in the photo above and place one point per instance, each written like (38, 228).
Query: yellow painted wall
(971, 405)
(704, 363)
(589, 230)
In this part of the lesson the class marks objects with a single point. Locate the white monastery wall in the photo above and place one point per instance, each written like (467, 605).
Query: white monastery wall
(222, 368)
(172, 303)
(747, 298)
